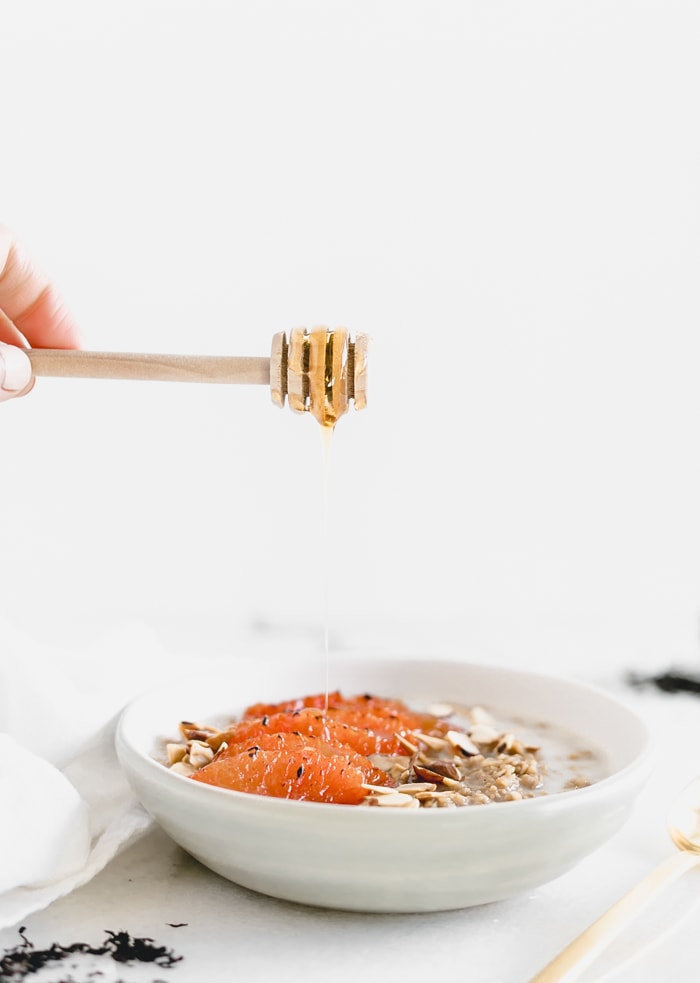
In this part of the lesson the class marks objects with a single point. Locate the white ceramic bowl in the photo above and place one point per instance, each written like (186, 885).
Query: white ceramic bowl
(386, 860)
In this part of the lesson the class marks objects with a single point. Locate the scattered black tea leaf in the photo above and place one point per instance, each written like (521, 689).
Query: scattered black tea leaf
(20, 962)
(670, 681)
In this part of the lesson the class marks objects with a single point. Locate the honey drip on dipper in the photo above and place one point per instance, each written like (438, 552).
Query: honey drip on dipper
(319, 371)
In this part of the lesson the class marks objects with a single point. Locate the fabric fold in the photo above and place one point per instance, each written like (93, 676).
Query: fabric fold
(67, 808)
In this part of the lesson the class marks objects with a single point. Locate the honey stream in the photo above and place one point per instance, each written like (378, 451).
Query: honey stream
(327, 440)
(323, 367)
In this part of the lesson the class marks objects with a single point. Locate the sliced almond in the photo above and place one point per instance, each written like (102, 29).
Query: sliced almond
(407, 744)
(434, 743)
(413, 788)
(175, 752)
(478, 715)
(196, 732)
(483, 734)
(440, 710)
(183, 768)
(458, 739)
(200, 753)
(397, 801)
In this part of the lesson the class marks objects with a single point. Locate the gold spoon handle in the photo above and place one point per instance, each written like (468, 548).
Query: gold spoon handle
(145, 367)
(584, 949)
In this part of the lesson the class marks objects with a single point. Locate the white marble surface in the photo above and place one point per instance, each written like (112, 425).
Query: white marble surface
(229, 930)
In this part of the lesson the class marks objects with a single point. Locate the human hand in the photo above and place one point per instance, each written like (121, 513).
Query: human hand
(31, 314)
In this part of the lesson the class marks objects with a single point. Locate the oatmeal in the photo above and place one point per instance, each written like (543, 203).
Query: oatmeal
(371, 751)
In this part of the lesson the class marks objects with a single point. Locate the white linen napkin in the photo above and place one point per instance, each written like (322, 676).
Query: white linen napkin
(66, 807)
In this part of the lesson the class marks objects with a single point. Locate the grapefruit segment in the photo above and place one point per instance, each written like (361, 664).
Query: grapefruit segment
(293, 766)
(314, 723)
(317, 700)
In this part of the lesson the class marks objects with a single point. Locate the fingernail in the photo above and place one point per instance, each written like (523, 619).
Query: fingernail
(18, 369)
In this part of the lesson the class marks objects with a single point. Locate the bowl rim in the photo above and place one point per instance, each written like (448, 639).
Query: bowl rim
(641, 762)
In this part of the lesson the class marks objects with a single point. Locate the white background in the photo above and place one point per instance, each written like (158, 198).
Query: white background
(504, 195)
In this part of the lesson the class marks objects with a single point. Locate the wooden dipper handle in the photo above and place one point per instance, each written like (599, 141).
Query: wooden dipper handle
(156, 368)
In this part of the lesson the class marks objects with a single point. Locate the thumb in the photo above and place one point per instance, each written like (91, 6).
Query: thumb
(16, 377)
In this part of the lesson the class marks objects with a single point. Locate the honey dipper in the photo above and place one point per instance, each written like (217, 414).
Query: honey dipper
(318, 370)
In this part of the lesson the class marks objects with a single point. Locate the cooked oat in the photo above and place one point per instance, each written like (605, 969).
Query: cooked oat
(466, 761)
